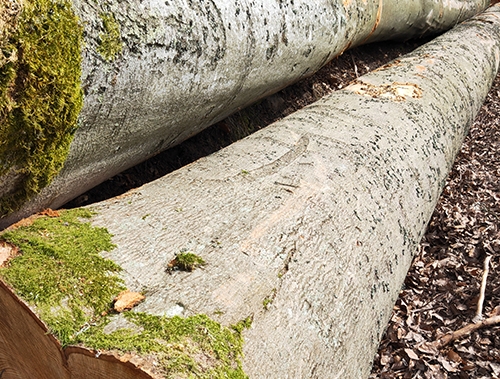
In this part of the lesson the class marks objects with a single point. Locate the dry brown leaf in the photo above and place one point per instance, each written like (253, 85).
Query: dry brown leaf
(496, 368)
(468, 366)
(127, 300)
(428, 348)
(411, 354)
(399, 363)
(417, 337)
(447, 365)
(385, 359)
(495, 311)
(455, 357)
(462, 307)
(484, 341)
(435, 372)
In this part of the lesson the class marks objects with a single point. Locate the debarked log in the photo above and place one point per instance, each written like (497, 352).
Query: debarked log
(280, 256)
(89, 88)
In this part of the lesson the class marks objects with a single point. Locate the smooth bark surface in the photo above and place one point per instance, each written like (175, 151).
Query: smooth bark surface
(178, 67)
(310, 224)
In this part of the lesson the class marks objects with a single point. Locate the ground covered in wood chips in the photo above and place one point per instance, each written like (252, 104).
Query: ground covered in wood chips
(441, 291)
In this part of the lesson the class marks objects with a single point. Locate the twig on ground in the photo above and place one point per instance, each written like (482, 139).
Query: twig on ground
(477, 322)
(465, 331)
(354, 64)
(479, 313)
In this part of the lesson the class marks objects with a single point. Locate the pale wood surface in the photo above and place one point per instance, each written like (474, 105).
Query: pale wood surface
(26, 349)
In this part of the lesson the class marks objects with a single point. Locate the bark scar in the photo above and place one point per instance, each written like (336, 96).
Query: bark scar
(395, 91)
(287, 158)
(288, 259)
(377, 20)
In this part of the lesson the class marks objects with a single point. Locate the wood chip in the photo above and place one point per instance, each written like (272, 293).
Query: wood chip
(127, 300)
(24, 222)
(7, 252)
(49, 213)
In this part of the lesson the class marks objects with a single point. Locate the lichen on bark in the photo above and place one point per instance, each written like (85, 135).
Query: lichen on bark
(110, 44)
(40, 95)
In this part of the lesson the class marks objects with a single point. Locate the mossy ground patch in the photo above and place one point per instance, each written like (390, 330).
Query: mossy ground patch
(40, 96)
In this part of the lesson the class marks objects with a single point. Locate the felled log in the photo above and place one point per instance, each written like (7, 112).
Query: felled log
(154, 73)
(280, 256)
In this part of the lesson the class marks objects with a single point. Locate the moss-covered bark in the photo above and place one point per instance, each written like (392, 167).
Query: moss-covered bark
(110, 40)
(40, 95)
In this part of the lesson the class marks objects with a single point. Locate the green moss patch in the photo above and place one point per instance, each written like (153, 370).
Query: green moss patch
(185, 261)
(61, 273)
(192, 347)
(40, 96)
(110, 40)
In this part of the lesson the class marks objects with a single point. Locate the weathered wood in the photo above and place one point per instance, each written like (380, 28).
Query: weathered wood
(309, 225)
(155, 73)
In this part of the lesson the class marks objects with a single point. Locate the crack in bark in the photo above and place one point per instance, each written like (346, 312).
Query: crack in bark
(288, 259)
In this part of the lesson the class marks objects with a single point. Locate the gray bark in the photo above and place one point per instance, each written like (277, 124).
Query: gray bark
(186, 65)
(321, 211)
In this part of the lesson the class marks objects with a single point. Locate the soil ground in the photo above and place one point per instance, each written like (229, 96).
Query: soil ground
(443, 285)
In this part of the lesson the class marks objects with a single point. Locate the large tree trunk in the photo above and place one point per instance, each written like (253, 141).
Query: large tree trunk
(308, 227)
(154, 73)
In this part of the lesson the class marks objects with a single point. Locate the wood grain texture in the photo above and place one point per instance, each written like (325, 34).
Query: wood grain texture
(84, 364)
(27, 350)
